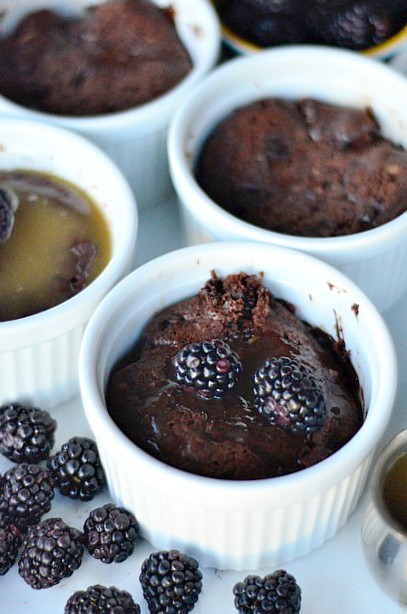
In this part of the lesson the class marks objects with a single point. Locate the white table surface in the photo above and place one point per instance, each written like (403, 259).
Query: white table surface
(334, 578)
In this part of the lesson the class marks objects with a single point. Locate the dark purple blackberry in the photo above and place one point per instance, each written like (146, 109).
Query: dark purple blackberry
(76, 469)
(209, 368)
(26, 433)
(10, 542)
(289, 396)
(81, 257)
(356, 25)
(276, 593)
(110, 533)
(98, 599)
(52, 551)
(8, 205)
(27, 492)
(171, 582)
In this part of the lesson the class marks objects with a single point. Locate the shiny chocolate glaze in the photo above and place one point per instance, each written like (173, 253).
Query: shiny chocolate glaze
(227, 438)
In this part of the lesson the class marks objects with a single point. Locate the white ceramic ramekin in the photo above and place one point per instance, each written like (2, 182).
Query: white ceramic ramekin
(374, 259)
(39, 353)
(239, 524)
(135, 139)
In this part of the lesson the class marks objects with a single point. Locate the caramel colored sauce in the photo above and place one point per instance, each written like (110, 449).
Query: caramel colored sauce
(59, 244)
(395, 491)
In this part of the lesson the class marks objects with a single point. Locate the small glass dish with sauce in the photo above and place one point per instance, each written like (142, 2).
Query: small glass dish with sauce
(72, 208)
(384, 527)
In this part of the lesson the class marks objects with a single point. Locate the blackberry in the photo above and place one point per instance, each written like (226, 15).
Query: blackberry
(171, 582)
(110, 533)
(52, 551)
(210, 368)
(27, 492)
(98, 599)
(10, 542)
(359, 25)
(76, 469)
(26, 433)
(289, 396)
(276, 593)
(84, 254)
(8, 204)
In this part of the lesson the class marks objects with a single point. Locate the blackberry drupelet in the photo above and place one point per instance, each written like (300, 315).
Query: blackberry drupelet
(110, 533)
(52, 551)
(10, 542)
(276, 593)
(98, 599)
(209, 368)
(76, 469)
(27, 492)
(289, 396)
(26, 433)
(171, 582)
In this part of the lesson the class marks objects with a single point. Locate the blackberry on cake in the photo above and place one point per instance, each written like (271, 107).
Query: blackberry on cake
(288, 395)
(357, 25)
(353, 24)
(26, 433)
(210, 368)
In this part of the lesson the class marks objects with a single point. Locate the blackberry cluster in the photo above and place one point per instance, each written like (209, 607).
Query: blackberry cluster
(26, 494)
(276, 593)
(76, 469)
(98, 599)
(353, 24)
(110, 533)
(209, 368)
(52, 551)
(289, 396)
(8, 205)
(10, 542)
(26, 433)
(171, 582)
